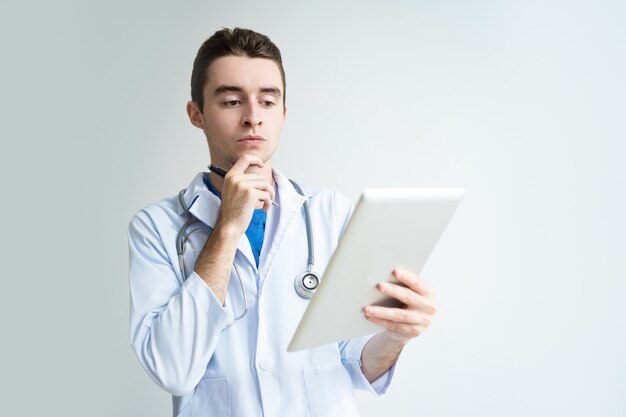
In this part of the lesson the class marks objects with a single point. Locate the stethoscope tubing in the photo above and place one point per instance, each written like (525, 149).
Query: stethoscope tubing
(182, 237)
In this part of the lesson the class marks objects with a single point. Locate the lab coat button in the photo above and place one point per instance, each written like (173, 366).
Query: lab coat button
(265, 364)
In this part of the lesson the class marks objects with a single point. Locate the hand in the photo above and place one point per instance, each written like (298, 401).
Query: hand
(403, 324)
(241, 193)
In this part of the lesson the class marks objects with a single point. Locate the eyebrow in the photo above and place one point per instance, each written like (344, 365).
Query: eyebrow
(235, 89)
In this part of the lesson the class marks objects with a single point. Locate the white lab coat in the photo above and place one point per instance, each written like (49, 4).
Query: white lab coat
(190, 345)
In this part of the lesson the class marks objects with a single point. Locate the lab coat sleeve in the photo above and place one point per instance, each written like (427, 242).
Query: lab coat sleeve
(351, 351)
(174, 328)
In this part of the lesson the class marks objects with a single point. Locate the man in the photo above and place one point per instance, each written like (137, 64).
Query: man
(211, 325)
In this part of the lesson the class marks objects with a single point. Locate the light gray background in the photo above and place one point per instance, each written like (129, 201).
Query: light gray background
(522, 103)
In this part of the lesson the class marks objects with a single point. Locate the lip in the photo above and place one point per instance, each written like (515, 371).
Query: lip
(252, 139)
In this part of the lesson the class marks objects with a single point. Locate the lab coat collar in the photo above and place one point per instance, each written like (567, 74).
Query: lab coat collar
(202, 203)
(287, 193)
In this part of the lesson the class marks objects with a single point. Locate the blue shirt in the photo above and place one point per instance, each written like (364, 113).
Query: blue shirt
(256, 229)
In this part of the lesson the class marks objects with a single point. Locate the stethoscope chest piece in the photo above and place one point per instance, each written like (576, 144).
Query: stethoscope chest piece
(306, 284)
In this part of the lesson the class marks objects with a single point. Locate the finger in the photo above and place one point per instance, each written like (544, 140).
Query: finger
(257, 182)
(401, 293)
(243, 182)
(267, 205)
(244, 162)
(407, 330)
(408, 297)
(398, 315)
(412, 280)
(266, 199)
(242, 189)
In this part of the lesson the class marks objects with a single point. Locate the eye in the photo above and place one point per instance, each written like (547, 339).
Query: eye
(231, 103)
(268, 103)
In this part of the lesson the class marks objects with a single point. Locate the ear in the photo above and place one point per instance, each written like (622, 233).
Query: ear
(195, 115)
(284, 114)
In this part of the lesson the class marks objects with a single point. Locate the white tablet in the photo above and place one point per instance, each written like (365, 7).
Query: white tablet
(391, 227)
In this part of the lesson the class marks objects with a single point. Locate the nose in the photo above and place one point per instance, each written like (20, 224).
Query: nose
(251, 116)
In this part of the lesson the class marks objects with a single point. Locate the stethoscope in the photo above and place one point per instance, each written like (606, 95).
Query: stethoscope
(305, 284)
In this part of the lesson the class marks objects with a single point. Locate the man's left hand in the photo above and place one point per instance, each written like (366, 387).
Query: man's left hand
(406, 322)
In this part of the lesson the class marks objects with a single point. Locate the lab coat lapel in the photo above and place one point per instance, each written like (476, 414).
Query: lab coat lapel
(204, 205)
(290, 202)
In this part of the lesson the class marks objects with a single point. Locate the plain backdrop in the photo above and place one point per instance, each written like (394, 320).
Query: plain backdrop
(520, 102)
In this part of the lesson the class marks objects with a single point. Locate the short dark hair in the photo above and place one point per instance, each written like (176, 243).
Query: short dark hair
(232, 42)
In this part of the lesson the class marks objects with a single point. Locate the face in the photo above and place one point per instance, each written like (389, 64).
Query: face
(243, 109)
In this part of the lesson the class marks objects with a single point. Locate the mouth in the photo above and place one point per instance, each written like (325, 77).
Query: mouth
(251, 139)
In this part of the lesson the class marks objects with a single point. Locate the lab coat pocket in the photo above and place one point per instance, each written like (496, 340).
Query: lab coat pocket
(212, 397)
(329, 391)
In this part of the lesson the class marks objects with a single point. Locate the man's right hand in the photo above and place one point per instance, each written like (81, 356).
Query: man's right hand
(242, 192)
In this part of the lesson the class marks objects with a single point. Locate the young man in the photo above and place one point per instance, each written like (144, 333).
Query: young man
(212, 270)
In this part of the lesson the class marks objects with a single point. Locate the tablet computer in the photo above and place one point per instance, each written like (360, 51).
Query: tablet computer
(390, 227)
